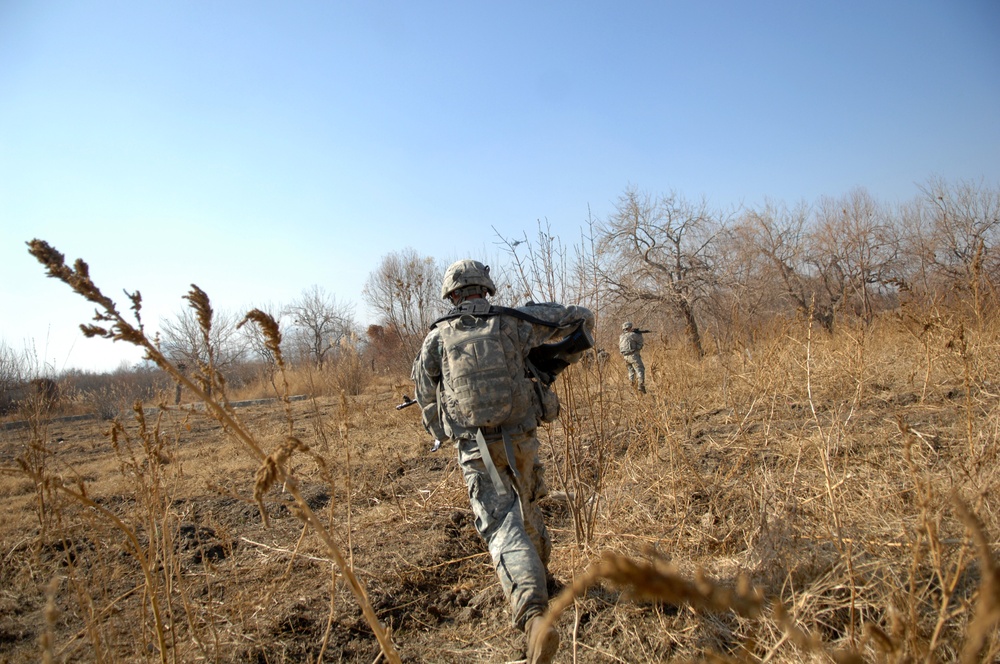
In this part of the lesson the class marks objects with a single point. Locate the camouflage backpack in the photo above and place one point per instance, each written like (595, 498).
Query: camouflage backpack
(478, 385)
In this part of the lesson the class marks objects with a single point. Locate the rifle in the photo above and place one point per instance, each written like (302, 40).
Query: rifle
(638, 331)
(407, 402)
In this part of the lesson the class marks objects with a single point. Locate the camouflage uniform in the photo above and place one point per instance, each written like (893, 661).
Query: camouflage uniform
(511, 524)
(629, 344)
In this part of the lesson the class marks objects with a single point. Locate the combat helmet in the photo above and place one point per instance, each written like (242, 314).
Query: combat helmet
(626, 326)
(466, 273)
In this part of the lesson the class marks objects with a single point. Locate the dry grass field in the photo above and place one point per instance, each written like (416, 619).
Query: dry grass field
(807, 498)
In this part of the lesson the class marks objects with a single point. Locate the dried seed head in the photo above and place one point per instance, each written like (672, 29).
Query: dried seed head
(265, 477)
(91, 331)
(881, 639)
(271, 469)
(136, 300)
(272, 333)
(202, 308)
(77, 277)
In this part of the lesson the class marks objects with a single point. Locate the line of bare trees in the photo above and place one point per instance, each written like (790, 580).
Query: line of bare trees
(847, 257)
(315, 327)
(721, 274)
(711, 277)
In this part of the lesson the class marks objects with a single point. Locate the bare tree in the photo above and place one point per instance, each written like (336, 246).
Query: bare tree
(963, 236)
(385, 351)
(538, 270)
(858, 235)
(746, 287)
(916, 271)
(659, 251)
(219, 347)
(319, 323)
(782, 236)
(405, 291)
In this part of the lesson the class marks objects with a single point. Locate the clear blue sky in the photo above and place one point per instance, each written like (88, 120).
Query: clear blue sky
(258, 148)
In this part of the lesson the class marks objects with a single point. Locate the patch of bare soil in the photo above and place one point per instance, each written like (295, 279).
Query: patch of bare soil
(267, 593)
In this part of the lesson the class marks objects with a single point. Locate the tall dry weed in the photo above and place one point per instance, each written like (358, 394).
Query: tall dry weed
(794, 471)
(209, 385)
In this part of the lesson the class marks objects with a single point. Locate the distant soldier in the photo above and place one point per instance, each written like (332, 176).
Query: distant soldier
(630, 344)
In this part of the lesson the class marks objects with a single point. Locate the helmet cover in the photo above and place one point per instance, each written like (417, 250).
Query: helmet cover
(464, 273)
(626, 326)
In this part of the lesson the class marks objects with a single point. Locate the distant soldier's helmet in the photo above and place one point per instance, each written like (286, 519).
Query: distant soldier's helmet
(466, 273)
(626, 326)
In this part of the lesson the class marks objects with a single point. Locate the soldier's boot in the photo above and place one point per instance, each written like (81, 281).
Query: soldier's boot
(542, 642)
(642, 388)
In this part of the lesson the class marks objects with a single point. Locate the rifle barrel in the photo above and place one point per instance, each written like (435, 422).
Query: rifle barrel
(407, 402)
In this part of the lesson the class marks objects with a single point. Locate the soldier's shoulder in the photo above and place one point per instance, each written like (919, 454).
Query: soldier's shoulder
(432, 336)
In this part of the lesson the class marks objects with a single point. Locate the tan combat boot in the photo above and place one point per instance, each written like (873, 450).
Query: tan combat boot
(542, 643)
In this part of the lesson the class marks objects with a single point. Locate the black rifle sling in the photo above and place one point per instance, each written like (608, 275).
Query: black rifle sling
(495, 311)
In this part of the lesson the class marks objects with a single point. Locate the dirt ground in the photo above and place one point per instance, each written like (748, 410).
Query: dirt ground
(399, 510)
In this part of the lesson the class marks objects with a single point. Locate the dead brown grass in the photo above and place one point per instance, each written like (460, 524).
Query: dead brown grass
(806, 498)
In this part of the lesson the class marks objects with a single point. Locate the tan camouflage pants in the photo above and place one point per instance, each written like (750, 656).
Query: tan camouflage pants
(636, 370)
(511, 524)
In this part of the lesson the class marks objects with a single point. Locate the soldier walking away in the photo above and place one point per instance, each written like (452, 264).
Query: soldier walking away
(630, 344)
(479, 385)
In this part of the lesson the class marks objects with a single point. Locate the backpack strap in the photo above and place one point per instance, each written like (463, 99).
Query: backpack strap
(493, 310)
(466, 309)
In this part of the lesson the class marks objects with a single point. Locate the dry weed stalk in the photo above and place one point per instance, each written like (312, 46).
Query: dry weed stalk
(344, 428)
(272, 342)
(115, 327)
(656, 581)
(584, 467)
(51, 615)
(136, 549)
(987, 609)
